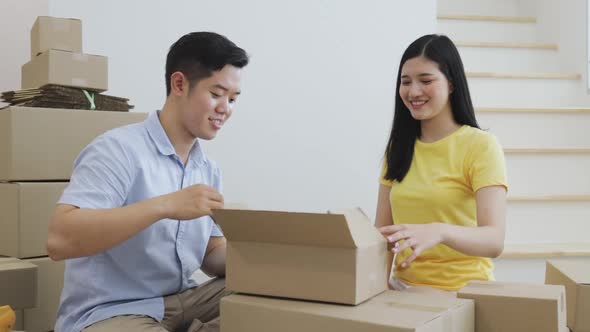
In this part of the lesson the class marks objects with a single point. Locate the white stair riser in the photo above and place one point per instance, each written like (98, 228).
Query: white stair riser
(491, 31)
(549, 174)
(509, 60)
(538, 130)
(547, 222)
(479, 7)
(494, 92)
(525, 270)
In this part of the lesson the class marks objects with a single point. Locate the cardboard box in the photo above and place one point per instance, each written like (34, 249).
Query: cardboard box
(575, 277)
(389, 311)
(26, 209)
(18, 283)
(321, 257)
(66, 68)
(56, 33)
(41, 143)
(517, 307)
(49, 284)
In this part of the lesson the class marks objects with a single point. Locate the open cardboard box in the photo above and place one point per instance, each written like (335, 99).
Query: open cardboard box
(339, 258)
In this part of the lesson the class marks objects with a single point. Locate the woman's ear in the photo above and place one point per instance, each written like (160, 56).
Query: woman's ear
(451, 88)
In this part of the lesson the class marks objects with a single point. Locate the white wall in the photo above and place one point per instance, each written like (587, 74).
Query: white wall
(317, 102)
(16, 19)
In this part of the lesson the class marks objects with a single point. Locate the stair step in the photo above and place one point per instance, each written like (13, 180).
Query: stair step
(523, 92)
(545, 76)
(531, 174)
(549, 131)
(546, 250)
(550, 198)
(566, 110)
(495, 18)
(546, 222)
(510, 60)
(491, 31)
(488, 7)
(486, 44)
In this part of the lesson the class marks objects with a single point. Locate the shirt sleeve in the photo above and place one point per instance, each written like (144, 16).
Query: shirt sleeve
(487, 166)
(101, 177)
(382, 179)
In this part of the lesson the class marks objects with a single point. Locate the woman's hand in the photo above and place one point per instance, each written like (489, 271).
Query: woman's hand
(418, 237)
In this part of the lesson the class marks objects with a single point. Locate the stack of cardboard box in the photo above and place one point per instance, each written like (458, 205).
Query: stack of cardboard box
(37, 150)
(321, 272)
(57, 58)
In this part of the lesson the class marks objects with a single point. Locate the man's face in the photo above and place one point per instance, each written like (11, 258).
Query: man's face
(209, 104)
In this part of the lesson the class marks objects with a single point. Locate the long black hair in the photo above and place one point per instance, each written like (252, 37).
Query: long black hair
(405, 129)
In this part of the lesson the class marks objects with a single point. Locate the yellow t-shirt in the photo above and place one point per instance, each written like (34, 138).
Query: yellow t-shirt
(440, 186)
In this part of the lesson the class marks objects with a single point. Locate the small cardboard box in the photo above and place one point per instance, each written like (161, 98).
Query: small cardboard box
(575, 276)
(56, 33)
(49, 284)
(339, 258)
(26, 209)
(389, 311)
(18, 283)
(40, 144)
(66, 68)
(517, 307)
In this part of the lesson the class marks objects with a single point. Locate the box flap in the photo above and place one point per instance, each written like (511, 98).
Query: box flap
(513, 289)
(313, 229)
(577, 270)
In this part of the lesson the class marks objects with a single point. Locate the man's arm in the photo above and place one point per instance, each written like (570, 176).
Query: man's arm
(75, 232)
(214, 260)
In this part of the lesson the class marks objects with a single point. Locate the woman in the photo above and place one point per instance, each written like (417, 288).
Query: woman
(442, 194)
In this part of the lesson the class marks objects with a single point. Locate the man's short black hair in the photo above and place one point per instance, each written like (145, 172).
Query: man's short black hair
(198, 54)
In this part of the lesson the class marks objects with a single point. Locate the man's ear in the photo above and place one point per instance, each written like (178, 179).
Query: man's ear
(178, 84)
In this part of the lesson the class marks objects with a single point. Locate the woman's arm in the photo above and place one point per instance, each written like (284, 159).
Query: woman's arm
(485, 240)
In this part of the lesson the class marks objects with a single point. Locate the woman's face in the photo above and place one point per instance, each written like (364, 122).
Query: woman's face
(424, 89)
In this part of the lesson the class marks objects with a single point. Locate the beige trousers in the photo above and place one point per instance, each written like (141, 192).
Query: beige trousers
(194, 310)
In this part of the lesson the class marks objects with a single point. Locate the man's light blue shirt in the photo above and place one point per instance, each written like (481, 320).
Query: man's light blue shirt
(121, 167)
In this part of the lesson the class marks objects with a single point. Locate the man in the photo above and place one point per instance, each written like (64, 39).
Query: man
(134, 221)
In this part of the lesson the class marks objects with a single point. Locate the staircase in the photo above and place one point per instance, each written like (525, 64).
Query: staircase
(533, 97)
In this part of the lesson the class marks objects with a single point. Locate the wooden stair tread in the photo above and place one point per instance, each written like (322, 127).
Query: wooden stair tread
(547, 250)
(492, 18)
(552, 76)
(537, 46)
(532, 110)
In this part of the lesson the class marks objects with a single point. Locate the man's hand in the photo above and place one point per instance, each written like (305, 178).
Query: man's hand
(418, 237)
(192, 202)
